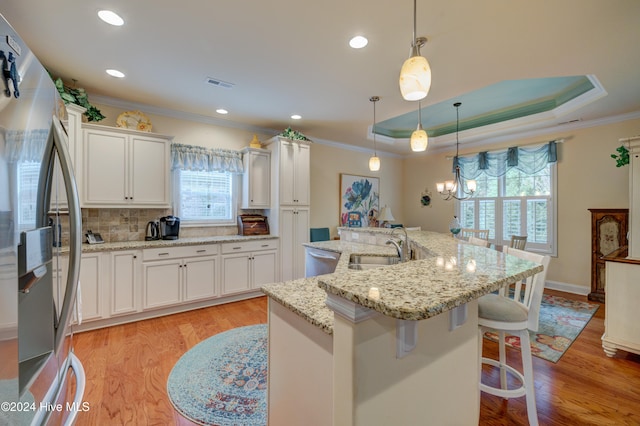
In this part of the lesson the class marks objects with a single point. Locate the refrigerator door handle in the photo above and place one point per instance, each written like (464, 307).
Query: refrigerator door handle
(57, 142)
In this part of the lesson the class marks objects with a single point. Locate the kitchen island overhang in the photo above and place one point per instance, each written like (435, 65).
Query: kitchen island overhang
(392, 347)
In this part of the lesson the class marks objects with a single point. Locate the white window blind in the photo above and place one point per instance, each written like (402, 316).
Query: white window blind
(205, 196)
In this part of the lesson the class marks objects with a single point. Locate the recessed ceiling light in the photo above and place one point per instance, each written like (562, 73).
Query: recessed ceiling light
(110, 17)
(296, 117)
(115, 73)
(222, 111)
(358, 42)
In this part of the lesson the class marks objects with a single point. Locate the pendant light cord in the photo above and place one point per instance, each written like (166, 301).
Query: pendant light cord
(415, 13)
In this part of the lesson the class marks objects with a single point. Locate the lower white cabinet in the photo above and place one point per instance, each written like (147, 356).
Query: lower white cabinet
(184, 274)
(248, 265)
(125, 272)
(294, 232)
(91, 286)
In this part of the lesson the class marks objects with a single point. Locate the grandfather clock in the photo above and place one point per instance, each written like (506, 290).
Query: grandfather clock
(608, 233)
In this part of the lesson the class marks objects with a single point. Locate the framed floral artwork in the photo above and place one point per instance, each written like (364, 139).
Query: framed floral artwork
(359, 200)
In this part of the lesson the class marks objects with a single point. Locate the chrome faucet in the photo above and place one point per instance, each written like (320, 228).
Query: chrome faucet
(403, 246)
(398, 249)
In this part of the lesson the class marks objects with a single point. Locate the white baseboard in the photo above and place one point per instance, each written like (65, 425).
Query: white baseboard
(568, 288)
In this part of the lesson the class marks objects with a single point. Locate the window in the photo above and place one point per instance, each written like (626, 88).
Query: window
(205, 196)
(516, 203)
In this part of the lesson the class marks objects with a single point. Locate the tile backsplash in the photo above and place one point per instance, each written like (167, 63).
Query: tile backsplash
(116, 225)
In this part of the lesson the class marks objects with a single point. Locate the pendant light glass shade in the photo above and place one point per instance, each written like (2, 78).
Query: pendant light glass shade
(419, 139)
(415, 74)
(415, 78)
(374, 163)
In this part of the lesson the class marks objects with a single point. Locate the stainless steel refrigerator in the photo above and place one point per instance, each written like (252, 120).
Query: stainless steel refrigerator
(41, 380)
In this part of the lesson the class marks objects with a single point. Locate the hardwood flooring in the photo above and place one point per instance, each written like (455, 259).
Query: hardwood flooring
(127, 368)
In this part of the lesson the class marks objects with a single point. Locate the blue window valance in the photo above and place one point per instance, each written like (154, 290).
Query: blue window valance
(527, 160)
(197, 158)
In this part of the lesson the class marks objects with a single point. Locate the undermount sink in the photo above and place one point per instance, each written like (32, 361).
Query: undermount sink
(364, 262)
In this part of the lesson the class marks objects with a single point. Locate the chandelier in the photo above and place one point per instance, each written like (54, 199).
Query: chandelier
(451, 188)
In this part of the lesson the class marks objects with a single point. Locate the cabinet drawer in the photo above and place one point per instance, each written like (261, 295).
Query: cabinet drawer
(244, 246)
(179, 252)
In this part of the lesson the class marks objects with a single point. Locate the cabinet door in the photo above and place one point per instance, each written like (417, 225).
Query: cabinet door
(149, 163)
(263, 265)
(301, 236)
(124, 282)
(287, 161)
(199, 278)
(301, 178)
(105, 168)
(235, 273)
(257, 180)
(91, 286)
(287, 236)
(161, 283)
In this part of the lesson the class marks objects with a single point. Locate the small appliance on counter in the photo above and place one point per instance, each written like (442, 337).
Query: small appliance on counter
(169, 227)
(153, 231)
(253, 224)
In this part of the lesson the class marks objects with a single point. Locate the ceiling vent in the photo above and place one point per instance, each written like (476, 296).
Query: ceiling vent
(219, 83)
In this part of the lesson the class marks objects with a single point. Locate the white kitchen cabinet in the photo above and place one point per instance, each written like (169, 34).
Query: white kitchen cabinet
(256, 179)
(294, 173)
(289, 213)
(294, 232)
(184, 274)
(123, 168)
(125, 271)
(248, 265)
(74, 134)
(622, 318)
(91, 286)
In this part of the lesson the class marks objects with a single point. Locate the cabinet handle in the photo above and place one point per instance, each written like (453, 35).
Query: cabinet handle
(264, 245)
(135, 257)
(237, 248)
(163, 254)
(201, 251)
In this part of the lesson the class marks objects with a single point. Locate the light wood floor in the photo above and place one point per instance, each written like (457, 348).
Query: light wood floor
(127, 368)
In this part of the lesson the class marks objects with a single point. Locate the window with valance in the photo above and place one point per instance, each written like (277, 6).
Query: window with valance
(516, 194)
(204, 183)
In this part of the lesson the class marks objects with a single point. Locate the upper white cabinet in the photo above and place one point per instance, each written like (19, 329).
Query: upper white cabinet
(294, 173)
(256, 180)
(123, 168)
(74, 133)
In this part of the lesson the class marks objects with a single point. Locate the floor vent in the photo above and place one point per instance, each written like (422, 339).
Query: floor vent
(219, 83)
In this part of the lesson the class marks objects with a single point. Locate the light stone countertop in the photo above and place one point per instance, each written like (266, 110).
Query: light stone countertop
(137, 245)
(450, 274)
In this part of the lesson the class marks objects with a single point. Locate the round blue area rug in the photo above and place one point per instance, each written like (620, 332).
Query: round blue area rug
(223, 380)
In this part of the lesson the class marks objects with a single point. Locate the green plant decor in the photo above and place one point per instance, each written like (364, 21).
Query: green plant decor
(79, 97)
(622, 157)
(293, 134)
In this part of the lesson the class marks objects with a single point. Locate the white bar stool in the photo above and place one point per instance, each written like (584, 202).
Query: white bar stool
(515, 315)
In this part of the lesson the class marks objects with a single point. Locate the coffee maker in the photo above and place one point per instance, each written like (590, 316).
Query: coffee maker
(169, 227)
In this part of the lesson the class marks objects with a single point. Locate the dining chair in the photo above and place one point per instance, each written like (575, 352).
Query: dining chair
(319, 234)
(518, 242)
(478, 242)
(478, 233)
(515, 314)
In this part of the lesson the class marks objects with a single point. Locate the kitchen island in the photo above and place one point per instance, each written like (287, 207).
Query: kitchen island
(392, 345)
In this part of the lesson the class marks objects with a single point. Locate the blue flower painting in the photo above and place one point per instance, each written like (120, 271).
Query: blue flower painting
(361, 195)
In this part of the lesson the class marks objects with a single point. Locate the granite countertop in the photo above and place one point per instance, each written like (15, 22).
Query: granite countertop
(451, 274)
(137, 245)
